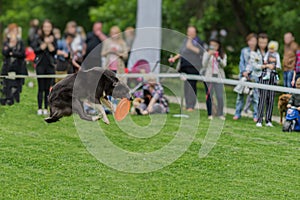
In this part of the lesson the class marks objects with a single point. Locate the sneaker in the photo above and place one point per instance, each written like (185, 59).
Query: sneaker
(235, 118)
(255, 119)
(210, 117)
(45, 112)
(258, 124)
(40, 112)
(269, 124)
(222, 117)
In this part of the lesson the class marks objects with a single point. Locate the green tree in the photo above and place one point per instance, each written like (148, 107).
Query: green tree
(114, 12)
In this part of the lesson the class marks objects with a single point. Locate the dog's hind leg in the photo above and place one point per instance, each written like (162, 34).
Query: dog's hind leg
(77, 108)
(102, 112)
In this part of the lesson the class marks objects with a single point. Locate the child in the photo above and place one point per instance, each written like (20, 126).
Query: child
(272, 57)
(295, 98)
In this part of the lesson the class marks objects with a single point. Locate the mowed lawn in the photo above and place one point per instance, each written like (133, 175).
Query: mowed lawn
(49, 161)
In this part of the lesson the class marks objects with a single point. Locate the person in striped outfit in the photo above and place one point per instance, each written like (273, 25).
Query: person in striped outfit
(266, 97)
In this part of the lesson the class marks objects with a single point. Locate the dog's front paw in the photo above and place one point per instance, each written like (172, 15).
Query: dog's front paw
(105, 120)
(95, 118)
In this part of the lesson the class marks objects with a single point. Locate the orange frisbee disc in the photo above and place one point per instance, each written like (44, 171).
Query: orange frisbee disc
(122, 109)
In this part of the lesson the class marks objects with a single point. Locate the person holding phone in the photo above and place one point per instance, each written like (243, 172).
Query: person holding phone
(214, 61)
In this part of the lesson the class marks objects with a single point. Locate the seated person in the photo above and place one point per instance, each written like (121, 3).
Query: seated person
(153, 100)
(295, 98)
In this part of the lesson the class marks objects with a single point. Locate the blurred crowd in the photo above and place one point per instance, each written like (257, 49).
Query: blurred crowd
(55, 51)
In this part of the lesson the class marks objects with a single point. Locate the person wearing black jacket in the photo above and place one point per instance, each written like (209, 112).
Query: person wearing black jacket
(13, 64)
(45, 48)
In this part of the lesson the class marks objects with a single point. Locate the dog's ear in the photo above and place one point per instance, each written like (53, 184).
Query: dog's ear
(111, 76)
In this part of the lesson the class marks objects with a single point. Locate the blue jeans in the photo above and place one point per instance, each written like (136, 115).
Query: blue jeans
(287, 78)
(240, 102)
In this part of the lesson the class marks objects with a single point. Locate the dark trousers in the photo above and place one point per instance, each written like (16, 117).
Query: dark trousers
(190, 93)
(44, 85)
(11, 91)
(210, 89)
(266, 98)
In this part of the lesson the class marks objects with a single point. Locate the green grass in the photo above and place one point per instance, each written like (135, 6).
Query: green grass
(49, 161)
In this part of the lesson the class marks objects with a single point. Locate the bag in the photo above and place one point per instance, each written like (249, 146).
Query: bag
(60, 73)
(240, 89)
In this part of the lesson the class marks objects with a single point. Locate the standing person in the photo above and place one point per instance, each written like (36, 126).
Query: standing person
(190, 63)
(115, 51)
(266, 97)
(45, 48)
(129, 36)
(289, 58)
(261, 52)
(33, 31)
(214, 61)
(244, 62)
(78, 44)
(13, 62)
(64, 56)
(296, 74)
(93, 39)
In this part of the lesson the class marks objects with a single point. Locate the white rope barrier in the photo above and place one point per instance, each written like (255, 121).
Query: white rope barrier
(216, 80)
(178, 75)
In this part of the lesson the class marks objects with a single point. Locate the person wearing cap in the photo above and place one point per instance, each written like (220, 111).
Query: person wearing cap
(272, 57)
(295, 98)
(154, 100)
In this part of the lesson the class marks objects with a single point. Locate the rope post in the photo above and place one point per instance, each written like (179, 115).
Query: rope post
(182, 94)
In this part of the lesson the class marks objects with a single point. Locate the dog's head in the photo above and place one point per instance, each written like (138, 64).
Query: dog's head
(115, 87)
(121, 90)
(284, 98)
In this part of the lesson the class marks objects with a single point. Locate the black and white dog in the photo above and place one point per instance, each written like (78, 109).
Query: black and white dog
(93, 86)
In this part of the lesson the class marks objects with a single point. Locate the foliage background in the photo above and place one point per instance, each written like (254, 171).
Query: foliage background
(237, 17)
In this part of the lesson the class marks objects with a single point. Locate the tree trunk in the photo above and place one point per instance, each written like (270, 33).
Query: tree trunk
(197, 6)
(240, 15)
(1, 26)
